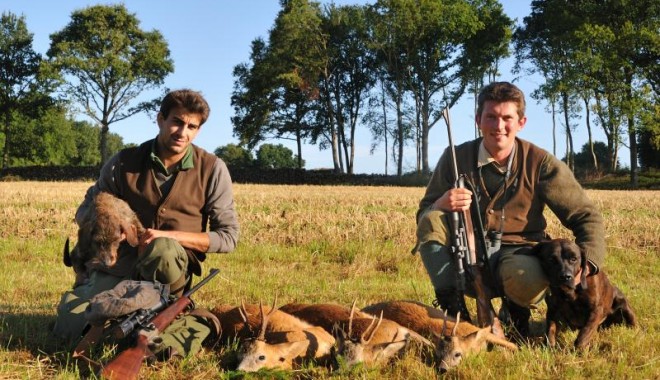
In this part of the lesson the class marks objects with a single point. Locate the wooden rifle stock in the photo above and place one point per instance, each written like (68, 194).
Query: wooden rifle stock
(127, 364)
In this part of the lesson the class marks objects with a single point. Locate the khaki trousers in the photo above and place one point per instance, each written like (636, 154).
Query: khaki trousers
(518, 275)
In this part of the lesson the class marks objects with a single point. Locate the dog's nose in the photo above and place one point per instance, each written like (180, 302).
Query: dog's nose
(566, 277)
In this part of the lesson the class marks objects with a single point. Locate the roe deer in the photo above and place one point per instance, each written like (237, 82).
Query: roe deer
(281, 340)
(464, 339)
(360, 336)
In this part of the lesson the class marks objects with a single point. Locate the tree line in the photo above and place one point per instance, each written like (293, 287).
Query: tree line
(394, 65)
(325, 71)
(97, 65)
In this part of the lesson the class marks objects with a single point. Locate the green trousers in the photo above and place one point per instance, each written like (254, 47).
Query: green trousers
(518, 275)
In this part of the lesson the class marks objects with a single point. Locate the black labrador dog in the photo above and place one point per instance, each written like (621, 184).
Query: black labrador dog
(594, 303)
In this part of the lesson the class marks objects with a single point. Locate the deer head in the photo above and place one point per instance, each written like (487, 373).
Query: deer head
(368, 340)
(276, 352)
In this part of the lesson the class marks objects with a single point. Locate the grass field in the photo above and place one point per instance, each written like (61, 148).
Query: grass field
(321, 244)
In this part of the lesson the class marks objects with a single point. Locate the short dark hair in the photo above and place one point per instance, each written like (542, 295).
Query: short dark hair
(192, 101)
(501, 92)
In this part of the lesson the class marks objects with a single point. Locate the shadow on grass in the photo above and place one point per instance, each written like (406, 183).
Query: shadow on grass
(31, 335)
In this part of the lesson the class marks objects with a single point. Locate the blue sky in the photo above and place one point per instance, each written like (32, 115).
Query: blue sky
(207, 38)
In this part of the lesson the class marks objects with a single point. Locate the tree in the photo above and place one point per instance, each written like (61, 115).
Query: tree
(110, 61)
(345, 82)
(432, 50)
(584, 158)
(53, 138)
(278, 156)
(24, 86)
(605, 51)
(622, 37)
(649, 139)
(390, 45)
(547, 40)
(235, 156)
(274, 96)
(86, 137)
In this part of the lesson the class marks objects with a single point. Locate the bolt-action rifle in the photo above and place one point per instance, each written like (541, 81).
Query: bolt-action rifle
(469, 247)
(127, 364)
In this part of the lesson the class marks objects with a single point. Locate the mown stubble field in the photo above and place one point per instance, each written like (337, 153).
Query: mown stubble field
(321, 244)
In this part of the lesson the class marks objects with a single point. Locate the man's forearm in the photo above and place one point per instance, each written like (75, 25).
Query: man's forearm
(198, 241)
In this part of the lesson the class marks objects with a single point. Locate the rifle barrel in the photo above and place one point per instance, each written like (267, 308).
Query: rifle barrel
(454, 165)
(212, 273)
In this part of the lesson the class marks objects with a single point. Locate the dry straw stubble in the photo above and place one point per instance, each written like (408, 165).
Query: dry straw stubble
(319, 244)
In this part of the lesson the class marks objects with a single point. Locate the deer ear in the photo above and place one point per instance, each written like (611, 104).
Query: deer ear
(482, 334)
(338, 332)
(387, 350)
(291, 350)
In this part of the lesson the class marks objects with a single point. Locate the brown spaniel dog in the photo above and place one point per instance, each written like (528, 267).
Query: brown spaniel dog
(591, 304)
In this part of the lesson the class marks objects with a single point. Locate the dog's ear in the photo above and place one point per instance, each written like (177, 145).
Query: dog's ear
(583, 273)
(67, 254)
(536, 249)
(131, 233)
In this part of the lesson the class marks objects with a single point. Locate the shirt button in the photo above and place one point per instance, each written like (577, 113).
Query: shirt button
(491, 211)
(162, 210)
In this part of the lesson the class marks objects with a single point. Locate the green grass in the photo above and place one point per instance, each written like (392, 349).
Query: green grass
(321, 244)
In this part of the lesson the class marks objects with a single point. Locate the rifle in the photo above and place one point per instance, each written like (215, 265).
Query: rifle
(138, 318)
(127, 364)
(470, 258)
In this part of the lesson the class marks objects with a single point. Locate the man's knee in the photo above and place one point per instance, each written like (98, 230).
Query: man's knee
(439, 265)
(70, 320)
(523, 279)
(163, 260)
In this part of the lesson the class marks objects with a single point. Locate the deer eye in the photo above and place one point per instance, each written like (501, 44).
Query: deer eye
(457, 355)
(262, 357)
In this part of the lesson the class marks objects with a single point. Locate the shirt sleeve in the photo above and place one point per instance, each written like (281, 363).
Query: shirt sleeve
(223, 220)
(438, 185)
(576, 212)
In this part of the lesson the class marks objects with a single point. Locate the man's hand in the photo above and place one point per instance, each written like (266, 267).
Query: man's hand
(150, 234)
(457, 199)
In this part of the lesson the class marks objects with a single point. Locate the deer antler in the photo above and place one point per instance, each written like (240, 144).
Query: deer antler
(264, 319)
(243, 312)
(458, 320)
(350, 320)
(264, 323)
(373, 331)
